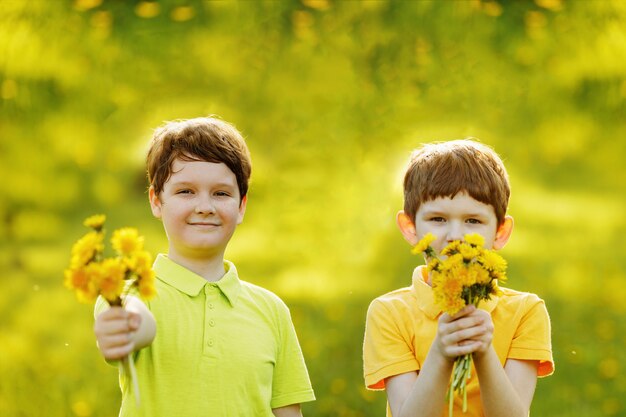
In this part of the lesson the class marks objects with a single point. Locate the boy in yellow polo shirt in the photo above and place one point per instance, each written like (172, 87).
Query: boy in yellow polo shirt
(452, 189)
(209, 344)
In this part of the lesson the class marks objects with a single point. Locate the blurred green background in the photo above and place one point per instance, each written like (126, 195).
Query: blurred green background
(332, 96)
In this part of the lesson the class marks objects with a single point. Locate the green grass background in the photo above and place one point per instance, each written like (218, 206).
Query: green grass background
(332, 96)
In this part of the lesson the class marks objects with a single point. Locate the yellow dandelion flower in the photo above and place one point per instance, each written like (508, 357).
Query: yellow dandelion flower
(492, 261)
(495, 290)
(85, 249)
(451, 248)
(434, 265)
(139, 261)
(95, 222)
(499, 276)
(423, 244)
(146, 286)
(447, 290)
(81, 280)
(460, 273)
(452, 262)
(127, 240)
(475, 239)
(111, 273)
(468, 252)
(76, 278)
(480, 274)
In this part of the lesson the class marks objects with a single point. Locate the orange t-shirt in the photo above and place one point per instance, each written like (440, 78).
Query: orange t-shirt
(402, 324)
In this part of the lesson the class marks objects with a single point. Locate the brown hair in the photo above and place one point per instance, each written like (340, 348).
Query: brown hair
(444, 169)
(201, 139)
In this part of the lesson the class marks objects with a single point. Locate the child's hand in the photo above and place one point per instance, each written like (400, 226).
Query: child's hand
(468, 331)
(114, 329)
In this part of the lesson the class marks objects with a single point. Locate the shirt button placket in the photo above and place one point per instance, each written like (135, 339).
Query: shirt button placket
(209, 328)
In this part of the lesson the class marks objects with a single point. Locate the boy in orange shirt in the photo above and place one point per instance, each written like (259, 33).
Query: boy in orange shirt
(452, 189)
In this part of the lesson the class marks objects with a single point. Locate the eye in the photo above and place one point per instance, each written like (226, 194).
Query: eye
(437, 219)
(184, 191)
(222, 194)
(473, 221)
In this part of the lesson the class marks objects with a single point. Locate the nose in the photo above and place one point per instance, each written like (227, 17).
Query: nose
(455, 231)
(204, 205)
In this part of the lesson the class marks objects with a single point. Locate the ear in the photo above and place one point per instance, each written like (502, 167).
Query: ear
(155, 202)
(407, 227)
(242, 208)
(503, 233)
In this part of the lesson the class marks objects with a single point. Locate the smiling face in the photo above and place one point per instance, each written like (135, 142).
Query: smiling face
(452, 218)
(200, 209)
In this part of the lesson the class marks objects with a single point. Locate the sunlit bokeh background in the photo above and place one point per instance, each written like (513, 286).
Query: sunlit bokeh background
(332, 96)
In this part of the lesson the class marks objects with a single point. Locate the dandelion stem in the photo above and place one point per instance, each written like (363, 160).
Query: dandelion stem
(128, 364)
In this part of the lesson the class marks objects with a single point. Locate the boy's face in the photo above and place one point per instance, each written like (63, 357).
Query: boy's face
(200, 208)
(452, 218)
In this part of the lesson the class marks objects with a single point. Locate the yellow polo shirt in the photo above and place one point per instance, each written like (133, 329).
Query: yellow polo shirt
(225, 348)
(402, 324)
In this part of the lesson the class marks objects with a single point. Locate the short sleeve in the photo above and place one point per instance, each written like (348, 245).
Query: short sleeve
(386, 351)
(290, 381)
(100, 306)
(532, 340)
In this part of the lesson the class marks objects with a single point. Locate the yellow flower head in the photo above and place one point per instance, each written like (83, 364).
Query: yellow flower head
(85, 249)
(81, 280)
(475, 239)
(492, 261)
(146, 285)
(434, 265)
(423, 244)
(140, 261)
(451, 262)
(451, 248)
(111, 273)
(468, 252)
(95, 222)
(447, 290)
(126, 240)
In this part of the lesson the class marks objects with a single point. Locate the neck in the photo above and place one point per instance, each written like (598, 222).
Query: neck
(211, 269)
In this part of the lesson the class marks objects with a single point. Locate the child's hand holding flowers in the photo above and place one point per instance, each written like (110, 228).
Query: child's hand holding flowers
(90, 274)
(468, 274)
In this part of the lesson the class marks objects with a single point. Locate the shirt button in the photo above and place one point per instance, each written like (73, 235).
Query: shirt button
(210, 343)
(211, 306)
(211, 322)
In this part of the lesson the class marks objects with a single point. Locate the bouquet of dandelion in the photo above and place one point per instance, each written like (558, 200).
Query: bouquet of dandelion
(90, 274)
(467, 275)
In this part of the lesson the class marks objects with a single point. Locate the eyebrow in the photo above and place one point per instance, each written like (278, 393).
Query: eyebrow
(190, 183)
(444, 213)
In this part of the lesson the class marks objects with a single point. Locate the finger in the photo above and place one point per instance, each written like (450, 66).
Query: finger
(113, 341)
(476, 333)
(134, 321)
(466, 348)
(468, 309)
(114, 313)
(118, 352)
(111, 327)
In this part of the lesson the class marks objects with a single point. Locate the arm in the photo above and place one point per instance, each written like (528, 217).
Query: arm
(121, 331)
(504, 392)
(423, 393)
(292, 410)
(509, 391)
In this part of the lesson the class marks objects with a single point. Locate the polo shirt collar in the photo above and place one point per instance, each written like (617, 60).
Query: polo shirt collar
(191, 283)
(426, 298)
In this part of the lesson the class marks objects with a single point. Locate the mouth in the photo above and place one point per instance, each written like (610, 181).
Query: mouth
(203, 224)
